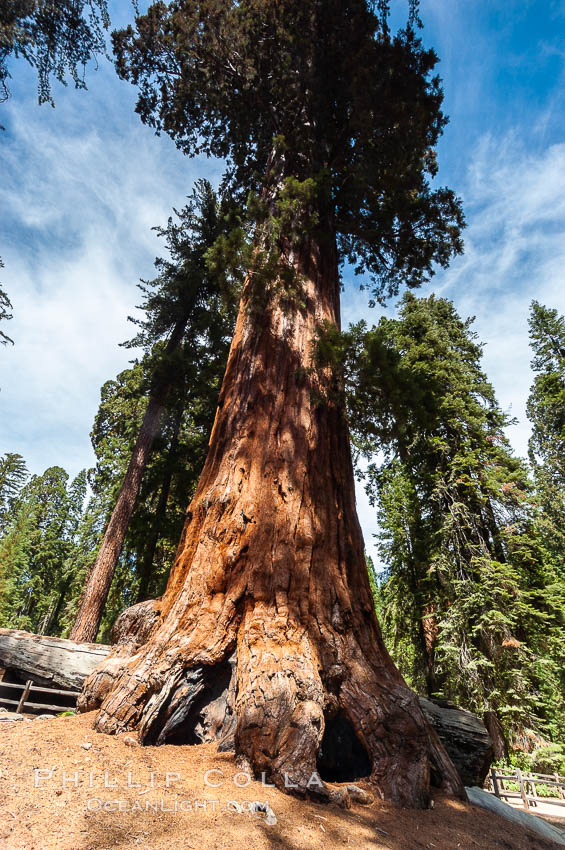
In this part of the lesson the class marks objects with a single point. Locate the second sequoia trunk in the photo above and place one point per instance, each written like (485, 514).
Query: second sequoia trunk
(269, 597)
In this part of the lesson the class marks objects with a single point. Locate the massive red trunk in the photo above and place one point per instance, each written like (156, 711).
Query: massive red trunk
(270, 576)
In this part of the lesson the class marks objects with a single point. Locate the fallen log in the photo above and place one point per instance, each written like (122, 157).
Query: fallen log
(464, 736)
(49, 660)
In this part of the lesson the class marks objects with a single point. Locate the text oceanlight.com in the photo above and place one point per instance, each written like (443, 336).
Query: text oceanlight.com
(167, 806)
(149, 783)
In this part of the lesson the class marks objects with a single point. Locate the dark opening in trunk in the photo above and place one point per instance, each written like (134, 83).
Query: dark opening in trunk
(342, 757)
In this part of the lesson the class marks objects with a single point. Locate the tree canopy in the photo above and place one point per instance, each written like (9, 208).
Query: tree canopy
(36, 551)
(57, 37)
(546, 404)
(546, 411)
(320, 97)
(13, 474)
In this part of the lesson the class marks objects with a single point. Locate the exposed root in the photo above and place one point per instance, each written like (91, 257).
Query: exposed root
(268, 703)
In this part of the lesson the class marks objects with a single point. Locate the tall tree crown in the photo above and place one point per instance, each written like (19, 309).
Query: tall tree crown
(13, 474)
(187, 288)
(546, 405)
(317, 91)
(546, 411)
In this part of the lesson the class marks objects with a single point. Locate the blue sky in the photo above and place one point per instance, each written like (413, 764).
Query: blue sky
(83, 184)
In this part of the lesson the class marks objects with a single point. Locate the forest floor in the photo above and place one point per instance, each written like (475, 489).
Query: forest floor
(64, 786)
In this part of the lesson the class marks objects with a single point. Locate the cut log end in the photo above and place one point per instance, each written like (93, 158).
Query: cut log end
(49, 660)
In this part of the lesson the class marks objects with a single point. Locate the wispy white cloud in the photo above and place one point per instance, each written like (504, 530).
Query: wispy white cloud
(515, 252)
(78, 204)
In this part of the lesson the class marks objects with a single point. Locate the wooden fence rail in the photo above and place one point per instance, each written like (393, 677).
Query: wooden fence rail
(23, 696)
(527, 785)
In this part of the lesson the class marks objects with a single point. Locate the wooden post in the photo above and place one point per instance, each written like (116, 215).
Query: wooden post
(523, 794)
(559, 789)
(24, 696)
(494, 782)
(2, 672)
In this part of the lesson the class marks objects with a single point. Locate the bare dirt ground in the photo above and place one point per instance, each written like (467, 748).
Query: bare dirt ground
(65, 787)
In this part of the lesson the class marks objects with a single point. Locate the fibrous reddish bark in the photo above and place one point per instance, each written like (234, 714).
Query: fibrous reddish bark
(429, 631)
(269, 591)
(496, 732)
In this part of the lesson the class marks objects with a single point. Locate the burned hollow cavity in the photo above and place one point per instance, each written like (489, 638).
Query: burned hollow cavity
(341, 757)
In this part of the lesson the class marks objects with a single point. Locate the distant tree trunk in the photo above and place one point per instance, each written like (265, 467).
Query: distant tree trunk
(54, 610)
(492, 525)
(425, 613)
(146, 569)
(99, 579)
(53, 622)
(269, 596)
(101, 574)
(496, 732)
(46, 622)
(429, 631)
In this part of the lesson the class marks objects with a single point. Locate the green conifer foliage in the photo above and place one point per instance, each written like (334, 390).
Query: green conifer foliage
(36, 551)
(56, 38)
(471, 608)
(339, 114)
(13, 474)
(546, 411)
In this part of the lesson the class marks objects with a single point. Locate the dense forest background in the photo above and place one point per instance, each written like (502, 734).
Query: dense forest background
(470, 588)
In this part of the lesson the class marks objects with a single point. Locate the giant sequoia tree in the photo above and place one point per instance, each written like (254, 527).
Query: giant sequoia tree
(328, 123)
